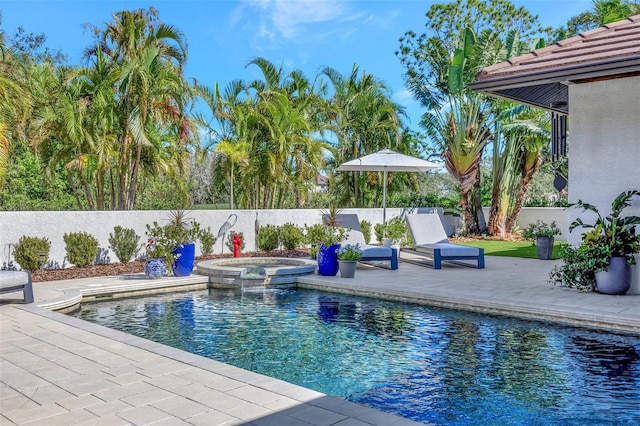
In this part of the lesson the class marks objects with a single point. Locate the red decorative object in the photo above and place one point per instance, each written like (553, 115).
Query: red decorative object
(237, 242)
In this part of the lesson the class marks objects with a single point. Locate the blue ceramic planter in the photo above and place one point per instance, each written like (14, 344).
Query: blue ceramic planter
(155, 268)
(328, 260)
(183, 266)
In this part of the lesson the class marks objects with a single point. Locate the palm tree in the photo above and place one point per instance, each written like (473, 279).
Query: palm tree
(363, 119)
(461, 129)
(151, 93)
(13, 101)
(519, 135)
(291, 108)
(234, 154)
(438, 66)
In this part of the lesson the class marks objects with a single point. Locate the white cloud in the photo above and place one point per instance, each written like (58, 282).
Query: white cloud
(404, 97)
(298, 19)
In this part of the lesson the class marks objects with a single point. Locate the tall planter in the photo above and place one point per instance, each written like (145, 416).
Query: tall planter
(545, 247)
(328, 260)
(616, 279)
(186, 257)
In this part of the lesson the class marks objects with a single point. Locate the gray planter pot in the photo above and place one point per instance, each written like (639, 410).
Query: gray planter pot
(616, 279)
(545, 247)
(347, 268)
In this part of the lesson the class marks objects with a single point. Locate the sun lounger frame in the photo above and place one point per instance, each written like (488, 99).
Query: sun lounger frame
(11, 281)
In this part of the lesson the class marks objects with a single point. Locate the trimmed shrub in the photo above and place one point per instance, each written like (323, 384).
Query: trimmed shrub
(379, 230)
(125, 243)
(207, 241)
(268, 238)
(315, 233)
(291, 236)
(365, 225)
(395, 229)
(81, 247)
(28, 252)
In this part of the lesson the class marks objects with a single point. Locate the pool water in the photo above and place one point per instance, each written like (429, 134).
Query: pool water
(431, 365)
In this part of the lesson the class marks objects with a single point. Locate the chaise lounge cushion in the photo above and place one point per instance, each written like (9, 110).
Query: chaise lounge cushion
(452, 250)
(369, 252)
(11, 281)
(430, 237)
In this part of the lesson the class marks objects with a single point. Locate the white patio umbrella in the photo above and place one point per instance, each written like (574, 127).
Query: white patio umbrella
(385, 161)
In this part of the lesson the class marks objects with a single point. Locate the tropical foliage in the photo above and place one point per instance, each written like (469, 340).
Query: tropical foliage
(125, 130)
(108, 126)
(460, 122)
(603, 12)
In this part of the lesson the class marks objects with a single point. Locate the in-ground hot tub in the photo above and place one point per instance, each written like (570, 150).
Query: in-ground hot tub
(240, 272)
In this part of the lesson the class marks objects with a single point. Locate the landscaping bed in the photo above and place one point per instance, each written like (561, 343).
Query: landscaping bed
(137, 266)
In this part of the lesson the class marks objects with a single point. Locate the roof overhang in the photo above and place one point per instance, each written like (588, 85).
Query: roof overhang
(548, 89)
(541, 78)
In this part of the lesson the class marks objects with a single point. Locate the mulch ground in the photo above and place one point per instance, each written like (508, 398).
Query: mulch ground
(137, 266)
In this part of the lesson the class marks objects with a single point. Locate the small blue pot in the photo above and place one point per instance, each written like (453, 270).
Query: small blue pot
(155, 268)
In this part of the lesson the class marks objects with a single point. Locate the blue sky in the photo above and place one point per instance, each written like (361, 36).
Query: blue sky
(223, 35)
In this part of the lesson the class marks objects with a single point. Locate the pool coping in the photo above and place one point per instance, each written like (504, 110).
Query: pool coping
(78, 291)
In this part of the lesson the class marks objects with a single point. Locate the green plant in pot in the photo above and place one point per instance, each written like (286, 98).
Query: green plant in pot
(159, 251)
(329, 242)
(178, 237)
(607, 250)
(348, 257)
(184, 232)
(543, 234)
(350, 252)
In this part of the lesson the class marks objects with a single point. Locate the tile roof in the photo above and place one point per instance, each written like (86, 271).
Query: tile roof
(539, 78)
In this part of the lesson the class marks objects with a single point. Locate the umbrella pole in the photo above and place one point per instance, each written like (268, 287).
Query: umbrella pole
(384, 198)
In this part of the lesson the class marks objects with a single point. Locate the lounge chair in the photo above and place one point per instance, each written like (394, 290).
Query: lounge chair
(448, 227)
(11, 281)
(370, 252)
(431, 239)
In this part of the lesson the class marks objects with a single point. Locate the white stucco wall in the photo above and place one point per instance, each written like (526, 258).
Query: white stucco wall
(604, 139)
(546, 214)
(53, 225)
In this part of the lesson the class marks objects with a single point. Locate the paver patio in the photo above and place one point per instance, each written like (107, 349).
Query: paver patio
(56, 369)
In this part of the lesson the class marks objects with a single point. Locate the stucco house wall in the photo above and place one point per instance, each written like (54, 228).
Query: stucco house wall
(604, 148)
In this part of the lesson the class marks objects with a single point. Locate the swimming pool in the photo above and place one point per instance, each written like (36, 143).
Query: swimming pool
(431, 365)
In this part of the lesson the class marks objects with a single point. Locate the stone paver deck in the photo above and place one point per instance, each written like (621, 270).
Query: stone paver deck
(59, 370)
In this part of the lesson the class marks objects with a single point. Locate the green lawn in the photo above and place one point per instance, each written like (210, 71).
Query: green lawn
(511, 248)
(219, 206)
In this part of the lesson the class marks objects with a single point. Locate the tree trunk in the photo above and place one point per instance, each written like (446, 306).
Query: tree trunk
(467, 214)
(467, 180)
(481, 223)
(527, 177)
(497, 214)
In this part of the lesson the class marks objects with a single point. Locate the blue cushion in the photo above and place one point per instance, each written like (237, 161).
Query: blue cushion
(452, 250)
(376, 251)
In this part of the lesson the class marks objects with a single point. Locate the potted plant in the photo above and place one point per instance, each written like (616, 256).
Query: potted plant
(184, 232)
(348, 257)
(543, 234)
(328, 249)
(175, 242)
(607, 250)
(159, 252)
